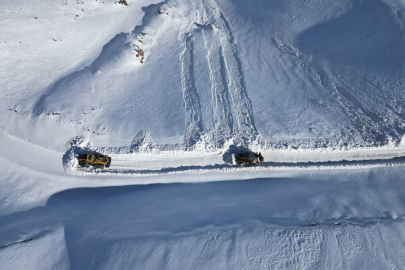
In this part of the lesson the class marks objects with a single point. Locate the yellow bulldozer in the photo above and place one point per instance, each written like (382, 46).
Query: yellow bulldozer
(97, 161)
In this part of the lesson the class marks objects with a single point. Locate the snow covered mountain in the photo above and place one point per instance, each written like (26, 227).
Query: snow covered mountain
(170, 90)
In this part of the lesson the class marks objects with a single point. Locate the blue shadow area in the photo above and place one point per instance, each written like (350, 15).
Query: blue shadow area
(367, 36)
(94, 219)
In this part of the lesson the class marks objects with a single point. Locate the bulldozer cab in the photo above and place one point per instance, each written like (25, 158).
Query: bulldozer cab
(99, 159)
(252, 157)
(90, 158)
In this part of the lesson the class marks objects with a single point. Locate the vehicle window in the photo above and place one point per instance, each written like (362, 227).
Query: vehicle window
(103, 159)
(91, 158)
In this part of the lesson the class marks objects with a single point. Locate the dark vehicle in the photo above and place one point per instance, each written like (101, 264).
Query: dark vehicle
(248, 158)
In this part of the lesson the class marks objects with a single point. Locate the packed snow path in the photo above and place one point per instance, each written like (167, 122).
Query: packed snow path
(146, 162)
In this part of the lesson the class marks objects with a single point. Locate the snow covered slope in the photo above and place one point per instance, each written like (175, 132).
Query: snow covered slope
(277, 74)
(171, 89)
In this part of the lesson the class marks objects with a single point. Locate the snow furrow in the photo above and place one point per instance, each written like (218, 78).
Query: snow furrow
(222, 114)
(194, 128)
(230, 100)
(361, 114)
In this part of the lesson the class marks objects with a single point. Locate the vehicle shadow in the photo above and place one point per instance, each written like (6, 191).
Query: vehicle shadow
(234, 150)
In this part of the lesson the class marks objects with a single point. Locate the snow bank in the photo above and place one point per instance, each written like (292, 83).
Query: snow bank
(45, 250)
(307, 219)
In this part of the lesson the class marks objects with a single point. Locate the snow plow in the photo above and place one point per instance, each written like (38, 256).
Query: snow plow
(248, 158)
(98, 161)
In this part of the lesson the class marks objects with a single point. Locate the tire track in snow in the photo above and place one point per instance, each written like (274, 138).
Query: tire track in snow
(360, 113)
(361, 221)
(221, 46)
(194, 127)
(221, 110)
(388, 120)
(221, 107)
(374, 124)
(240, 98)
(232, 113)
(227, 168)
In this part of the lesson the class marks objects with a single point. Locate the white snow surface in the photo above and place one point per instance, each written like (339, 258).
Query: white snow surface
(171, 90)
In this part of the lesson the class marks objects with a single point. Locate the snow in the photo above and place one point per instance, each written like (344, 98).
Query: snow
(171, 90)
(44, 250)
(325, 219)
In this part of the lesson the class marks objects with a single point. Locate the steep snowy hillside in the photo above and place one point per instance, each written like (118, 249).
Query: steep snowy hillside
(171, 90)
(304, 75)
